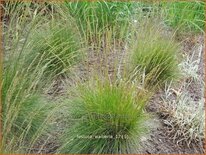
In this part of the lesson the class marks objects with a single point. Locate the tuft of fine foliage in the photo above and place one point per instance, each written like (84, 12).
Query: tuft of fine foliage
(96, 17)
(59, 45)
(155, 54)
(185, 16)
(24, 110)
(107, 118)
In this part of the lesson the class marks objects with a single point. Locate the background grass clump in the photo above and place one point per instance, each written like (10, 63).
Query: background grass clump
(185, 16)
(103, 109)
(59, 45)
(25, 111)
(155, 54)
(96, 17)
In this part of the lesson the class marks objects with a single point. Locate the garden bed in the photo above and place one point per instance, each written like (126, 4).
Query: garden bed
(104, 77)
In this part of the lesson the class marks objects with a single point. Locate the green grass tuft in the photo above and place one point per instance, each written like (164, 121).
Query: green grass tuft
(97, 17)
(156, 55)
(59, 45)
(185, 16)
(101, 109)
(24, 109)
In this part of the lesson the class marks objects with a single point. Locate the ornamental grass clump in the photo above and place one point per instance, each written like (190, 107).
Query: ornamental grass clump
(25, 111)
(60, 46)
(97, 17)
(155, 54)
(104, 118)
(185, 16)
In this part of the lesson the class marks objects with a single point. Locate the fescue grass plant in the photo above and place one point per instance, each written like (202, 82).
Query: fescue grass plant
(185, 16)
(95, 18)
(155, 54)
(60, 46)
(104, 118)
(25, 111)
